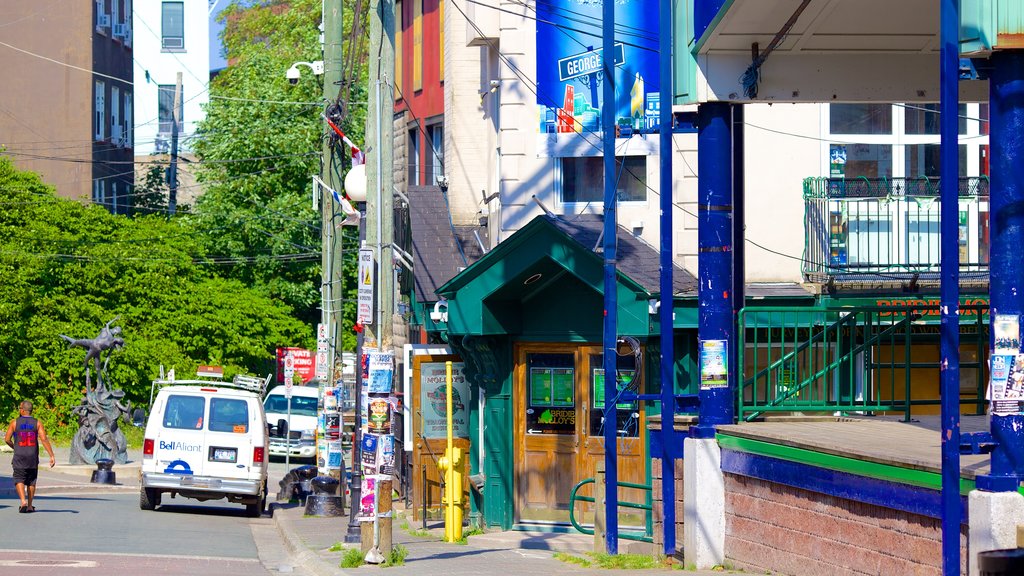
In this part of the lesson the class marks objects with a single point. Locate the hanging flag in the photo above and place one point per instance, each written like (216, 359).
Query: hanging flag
(358, 157)
(352, 215)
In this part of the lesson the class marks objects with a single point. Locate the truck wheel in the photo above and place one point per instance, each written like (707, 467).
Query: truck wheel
(254, 510)
(149, 498)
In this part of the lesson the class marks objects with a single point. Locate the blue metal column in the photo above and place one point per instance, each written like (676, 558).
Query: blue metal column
(949, 374)
(738, 237)
(714, 248)
(1006, 137)
(611, 498)
(668, 380)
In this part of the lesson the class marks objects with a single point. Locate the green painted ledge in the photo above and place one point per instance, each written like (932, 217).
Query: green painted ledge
(931, 480)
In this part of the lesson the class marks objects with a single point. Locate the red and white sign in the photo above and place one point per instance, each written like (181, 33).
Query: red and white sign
(302, 363)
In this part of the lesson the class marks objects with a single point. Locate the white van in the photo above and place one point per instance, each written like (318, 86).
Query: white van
(301, 437)
(207, 440)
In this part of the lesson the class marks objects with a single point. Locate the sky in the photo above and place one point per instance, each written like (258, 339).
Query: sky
(217, 60)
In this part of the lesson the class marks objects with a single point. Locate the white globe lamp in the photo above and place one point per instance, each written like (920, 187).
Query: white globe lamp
(355, 183)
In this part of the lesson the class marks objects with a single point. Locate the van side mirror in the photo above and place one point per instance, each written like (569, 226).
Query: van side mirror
(138, 417)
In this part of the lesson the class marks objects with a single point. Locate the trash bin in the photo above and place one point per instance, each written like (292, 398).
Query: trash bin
(1001, 562)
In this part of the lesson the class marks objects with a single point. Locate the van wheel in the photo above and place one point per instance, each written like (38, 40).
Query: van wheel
(254, 510)
(149, 498)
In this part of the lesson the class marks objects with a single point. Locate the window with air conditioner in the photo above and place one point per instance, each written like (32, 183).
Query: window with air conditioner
(173, 25)
(102, 18)
(100, 112)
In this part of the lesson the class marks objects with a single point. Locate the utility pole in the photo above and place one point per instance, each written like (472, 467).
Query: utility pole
(172, 171)
(332, 258)
(380, 186)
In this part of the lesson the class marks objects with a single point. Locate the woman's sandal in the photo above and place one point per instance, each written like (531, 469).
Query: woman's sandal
(31, 508)
(23, 510)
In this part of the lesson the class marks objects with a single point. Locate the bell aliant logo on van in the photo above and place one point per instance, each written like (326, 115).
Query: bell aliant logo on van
(178, 467)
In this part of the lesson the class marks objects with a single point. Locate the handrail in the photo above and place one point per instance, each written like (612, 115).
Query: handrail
(573, 497)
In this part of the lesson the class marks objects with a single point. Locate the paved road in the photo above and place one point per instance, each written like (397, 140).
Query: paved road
(99, 532)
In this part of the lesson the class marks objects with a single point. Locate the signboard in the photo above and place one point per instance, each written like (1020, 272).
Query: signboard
(302, 363)
(364, 308)
(589, 62)
(434, 400)
(552, 401)
(570, 66)
(289, 375)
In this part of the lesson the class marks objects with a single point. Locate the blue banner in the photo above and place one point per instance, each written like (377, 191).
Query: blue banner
(570, 62)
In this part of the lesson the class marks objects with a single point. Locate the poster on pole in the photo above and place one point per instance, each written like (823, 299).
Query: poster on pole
(714, 364)
(368, 499)
(1006, 334)
(381, 372)
(364, 308)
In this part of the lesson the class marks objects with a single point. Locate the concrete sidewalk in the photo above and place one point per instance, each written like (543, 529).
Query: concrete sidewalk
(310, 539)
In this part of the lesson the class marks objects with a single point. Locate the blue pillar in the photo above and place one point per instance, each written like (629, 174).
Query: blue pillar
(611, 493)
(714, 260)
(949, 346)
(668, 356)
(738, 236)
(1006, 287)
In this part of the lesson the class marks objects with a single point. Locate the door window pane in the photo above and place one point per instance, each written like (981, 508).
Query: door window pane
(860, 118)
(184, 412)
(583, 179)
(551, 386)
(627, 416)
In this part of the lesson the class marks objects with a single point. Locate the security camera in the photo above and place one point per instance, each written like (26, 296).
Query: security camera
(293, 75)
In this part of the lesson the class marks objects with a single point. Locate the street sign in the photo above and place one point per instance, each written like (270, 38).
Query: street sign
(289, 375)
(364, 314)
(322, 353)
(585, 63)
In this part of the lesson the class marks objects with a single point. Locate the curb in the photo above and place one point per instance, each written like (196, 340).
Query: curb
(300, 553)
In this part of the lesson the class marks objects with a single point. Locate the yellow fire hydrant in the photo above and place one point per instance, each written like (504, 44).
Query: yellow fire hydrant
(451, 465)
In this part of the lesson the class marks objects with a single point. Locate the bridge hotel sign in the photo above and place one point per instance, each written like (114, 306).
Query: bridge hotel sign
(970, 306)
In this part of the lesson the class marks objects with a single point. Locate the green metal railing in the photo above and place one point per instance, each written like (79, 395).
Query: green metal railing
(853, 359)
(858, 229)
(628, 535)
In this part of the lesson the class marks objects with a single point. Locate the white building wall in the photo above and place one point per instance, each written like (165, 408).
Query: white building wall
(471, 123)
(162, 65)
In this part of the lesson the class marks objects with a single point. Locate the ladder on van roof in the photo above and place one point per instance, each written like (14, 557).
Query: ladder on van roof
(239, 382)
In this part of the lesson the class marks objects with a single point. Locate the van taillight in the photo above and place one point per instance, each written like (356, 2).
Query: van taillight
(147, 448)
(257, 455)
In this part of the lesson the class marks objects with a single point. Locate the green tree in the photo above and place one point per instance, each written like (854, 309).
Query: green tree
(68, 268)
(259, 147)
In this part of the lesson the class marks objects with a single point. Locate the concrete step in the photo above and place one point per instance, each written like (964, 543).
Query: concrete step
(572, 543)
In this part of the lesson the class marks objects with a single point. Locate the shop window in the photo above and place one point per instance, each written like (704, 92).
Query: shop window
(861, 160)
(583, 179)
(926, 119)
(860, 118)
(923, 160)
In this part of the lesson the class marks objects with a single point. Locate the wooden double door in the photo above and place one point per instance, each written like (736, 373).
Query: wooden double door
(559, 428)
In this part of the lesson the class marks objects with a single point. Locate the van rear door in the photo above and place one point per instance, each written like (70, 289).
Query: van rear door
(229, 433)
(179, 446)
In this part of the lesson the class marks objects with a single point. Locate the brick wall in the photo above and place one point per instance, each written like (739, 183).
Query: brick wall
(785, 530)
(657, 507)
